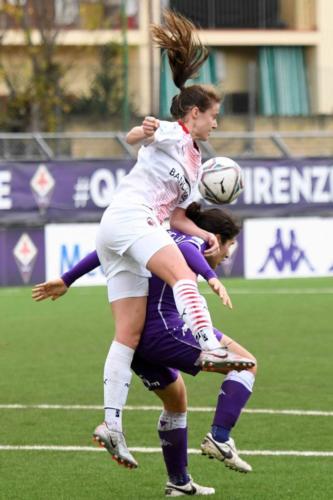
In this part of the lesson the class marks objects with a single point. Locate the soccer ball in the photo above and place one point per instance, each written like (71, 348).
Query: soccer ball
(221, 181)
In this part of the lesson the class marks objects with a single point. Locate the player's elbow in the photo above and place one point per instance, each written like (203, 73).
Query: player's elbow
(134, 135)
(177, 217)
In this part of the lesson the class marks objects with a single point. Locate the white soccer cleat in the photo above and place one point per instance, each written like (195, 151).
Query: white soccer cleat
(191, 488)
(226, 452)
(223, 361)
(114, 442)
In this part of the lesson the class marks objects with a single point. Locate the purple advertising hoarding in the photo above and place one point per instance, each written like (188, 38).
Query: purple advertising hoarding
(287, 187)
(72, 191)
(77, 191)
(34, 194)
(25, 253)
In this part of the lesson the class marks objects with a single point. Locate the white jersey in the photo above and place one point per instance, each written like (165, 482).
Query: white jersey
(166, 174)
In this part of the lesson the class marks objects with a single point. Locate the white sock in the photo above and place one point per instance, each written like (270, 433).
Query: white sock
(244, 377)
(117, 379)
(170, 420)
(193, 310)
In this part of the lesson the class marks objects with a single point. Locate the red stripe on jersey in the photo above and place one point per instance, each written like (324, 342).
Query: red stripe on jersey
(183, 126)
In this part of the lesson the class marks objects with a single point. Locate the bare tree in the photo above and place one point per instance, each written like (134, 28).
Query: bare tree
(38, 101)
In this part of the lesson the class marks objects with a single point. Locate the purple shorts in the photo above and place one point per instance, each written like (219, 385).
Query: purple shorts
(161, 355)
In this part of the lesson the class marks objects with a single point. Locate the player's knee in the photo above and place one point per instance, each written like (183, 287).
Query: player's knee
(174, 396)
(254, 369)
(175, 407)
(128, 335)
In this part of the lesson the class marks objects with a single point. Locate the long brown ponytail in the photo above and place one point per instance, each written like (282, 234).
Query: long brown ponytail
(186, 55)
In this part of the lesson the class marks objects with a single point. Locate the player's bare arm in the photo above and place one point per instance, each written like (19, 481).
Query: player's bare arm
(183, 224)
(144, 132)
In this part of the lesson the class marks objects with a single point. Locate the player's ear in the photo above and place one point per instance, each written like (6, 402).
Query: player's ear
(195, 112)
(219, 239)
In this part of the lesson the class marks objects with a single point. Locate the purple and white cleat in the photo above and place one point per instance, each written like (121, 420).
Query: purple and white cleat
(223, 361)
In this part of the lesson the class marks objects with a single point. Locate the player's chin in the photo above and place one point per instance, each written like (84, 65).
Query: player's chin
(204, 137)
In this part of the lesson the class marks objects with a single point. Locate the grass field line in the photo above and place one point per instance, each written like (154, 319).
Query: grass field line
(275, 291)
(202, 409)
(192, 451)
(234, 291)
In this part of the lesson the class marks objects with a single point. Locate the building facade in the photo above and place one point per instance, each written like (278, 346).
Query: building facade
(271, 55)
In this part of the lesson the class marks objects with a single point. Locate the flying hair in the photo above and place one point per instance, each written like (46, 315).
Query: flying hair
(185, 52)
(186, 55)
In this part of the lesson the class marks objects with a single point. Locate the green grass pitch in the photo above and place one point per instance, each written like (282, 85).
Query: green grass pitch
(53, 353)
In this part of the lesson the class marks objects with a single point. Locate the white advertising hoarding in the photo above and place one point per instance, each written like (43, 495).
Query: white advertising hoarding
(65, 246)
(288, 247)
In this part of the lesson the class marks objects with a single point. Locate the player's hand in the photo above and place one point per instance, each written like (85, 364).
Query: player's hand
(213, 244)
(49, 290)
(150, 125)
(221, 291)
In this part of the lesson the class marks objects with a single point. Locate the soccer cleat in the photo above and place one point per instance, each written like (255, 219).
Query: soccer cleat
(223, 361)
(114, 442)
(226, 452)
(190, 488)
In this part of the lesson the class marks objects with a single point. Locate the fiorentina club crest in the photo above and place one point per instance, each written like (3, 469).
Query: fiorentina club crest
(42, 185)
(25, 253)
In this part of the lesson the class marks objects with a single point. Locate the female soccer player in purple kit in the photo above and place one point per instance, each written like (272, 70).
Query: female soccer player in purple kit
(166, 342)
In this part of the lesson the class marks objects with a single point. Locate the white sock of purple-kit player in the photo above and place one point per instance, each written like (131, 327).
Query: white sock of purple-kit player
(117, 379)
(193, 311)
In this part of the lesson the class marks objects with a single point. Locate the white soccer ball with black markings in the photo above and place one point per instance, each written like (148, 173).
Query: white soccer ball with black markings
(221, 181)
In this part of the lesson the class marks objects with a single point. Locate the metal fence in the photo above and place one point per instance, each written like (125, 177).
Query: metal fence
(232, 14)
(85, 145)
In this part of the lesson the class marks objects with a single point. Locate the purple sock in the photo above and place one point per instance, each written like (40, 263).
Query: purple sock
(174, 448)
(232, 399)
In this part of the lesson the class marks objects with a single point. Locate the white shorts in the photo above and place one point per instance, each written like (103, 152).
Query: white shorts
(127, 238)
(126, 284)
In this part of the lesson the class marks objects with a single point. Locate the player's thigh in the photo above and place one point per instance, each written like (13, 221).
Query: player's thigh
(237, 348)
(127, 293)
(157, 252)
(174, 396)
(169, 264)
(129, 316)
